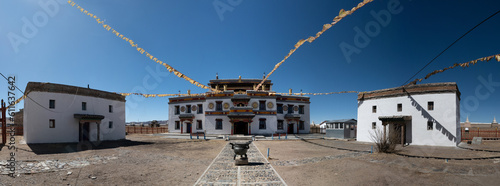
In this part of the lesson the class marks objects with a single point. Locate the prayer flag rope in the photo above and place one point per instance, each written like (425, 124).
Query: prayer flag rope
(341, 15)
(17, 101)
(204, 94)
(463, 65)
(139, 49)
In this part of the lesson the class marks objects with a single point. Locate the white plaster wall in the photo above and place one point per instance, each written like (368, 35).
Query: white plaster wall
(36, 118)
(271, 125)
(210, 124)
(446, 113)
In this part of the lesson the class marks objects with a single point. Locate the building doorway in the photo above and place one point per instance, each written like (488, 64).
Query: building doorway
(396, 132)
(84, 132)
(290, 128)
(241, 128)
(188, 127)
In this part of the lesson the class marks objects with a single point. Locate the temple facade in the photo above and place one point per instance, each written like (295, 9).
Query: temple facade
(238, 109)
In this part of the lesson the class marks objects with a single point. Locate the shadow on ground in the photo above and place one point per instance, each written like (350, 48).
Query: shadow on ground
(55, 148)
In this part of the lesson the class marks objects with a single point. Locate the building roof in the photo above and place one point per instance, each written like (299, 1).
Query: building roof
(227, 81)
(68, 89)
(429, 88)
(341, 121)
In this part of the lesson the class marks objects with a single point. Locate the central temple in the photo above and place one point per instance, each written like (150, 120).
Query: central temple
(239, 109)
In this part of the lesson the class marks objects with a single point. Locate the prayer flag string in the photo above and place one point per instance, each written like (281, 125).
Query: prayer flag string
(139, 49)
(341, 15)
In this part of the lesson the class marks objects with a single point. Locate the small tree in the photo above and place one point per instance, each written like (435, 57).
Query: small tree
(385, 144)
(155, 123)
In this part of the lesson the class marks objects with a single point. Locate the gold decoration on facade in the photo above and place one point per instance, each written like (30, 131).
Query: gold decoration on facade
(255, 105)
(211, 105)
(193, 108)
(285, 108)
(226, 106)
(183, 109)
(295, 108)
(270, 105)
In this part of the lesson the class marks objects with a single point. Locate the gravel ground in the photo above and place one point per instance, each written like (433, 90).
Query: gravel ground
(304, 163)
(153, 161)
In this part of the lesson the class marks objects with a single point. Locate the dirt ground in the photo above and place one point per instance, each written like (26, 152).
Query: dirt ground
(155, 161)
(302, 163)
(152, 160)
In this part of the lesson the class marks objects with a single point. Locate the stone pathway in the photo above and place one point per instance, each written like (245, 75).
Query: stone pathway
(222, 171)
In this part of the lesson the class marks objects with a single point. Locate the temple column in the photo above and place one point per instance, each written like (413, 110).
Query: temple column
(182, 125)
(232, 127)
(98, 124)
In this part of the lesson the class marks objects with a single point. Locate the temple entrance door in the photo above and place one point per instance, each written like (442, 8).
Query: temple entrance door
(84, 132)
(241, 128)
(396, 131)
(290, 128)
(188, 128)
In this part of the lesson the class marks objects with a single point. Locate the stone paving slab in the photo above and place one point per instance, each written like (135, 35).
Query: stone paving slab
(222, 171)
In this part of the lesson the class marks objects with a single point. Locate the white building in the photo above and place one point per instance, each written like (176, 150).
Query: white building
(239, 110)
(425, 114)
(56, 113)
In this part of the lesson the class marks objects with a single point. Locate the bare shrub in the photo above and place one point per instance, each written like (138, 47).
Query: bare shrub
(384, 144)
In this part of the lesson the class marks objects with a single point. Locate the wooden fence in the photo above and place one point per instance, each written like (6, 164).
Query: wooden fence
(19, 130)
(145, 130)
(318, 130)
(485, 133)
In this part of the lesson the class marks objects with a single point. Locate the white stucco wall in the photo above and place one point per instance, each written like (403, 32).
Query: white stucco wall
(445, 115)
(36, 119)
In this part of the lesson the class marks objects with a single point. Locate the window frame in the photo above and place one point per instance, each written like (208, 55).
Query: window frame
(52, 103)
(430, 105)
(200, 109)
(177, 110)
(374, 109)
(280, 125)
(279, 108)
(262, 124)
(177, 125)
(52, 123)
(400, 107)
(218, 106)
(262, 105)
(290, 109)
(374, 125)
(110, 124)
(430, 125)
(110, 108)
(217, 123)
(199, 124)
(84, 105)
(188, 109)
(301, 109)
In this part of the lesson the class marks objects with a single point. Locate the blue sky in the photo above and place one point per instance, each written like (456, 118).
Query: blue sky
(248, 40)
